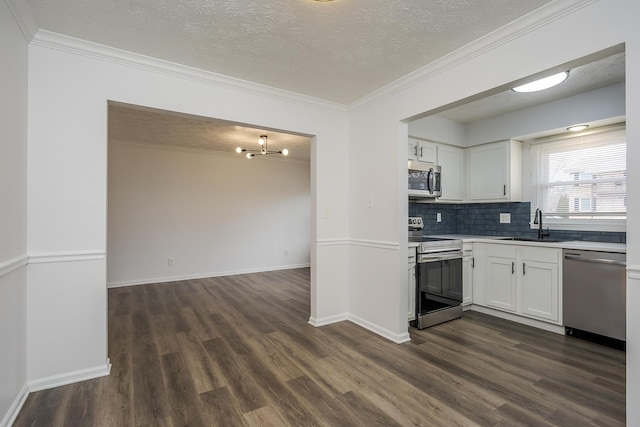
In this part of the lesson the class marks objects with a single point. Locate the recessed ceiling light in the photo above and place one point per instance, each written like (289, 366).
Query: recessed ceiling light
(544, 83)
(577, 128)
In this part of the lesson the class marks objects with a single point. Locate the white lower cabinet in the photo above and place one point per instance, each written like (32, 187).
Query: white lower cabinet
(412, 284)
(468, 264)
(523, 280)
(540, 284)
(501, 283)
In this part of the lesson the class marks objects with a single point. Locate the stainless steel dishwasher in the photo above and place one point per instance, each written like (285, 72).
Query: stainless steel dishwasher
(594, 296)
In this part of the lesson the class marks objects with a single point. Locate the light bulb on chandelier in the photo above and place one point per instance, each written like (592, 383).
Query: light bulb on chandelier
(262, 141)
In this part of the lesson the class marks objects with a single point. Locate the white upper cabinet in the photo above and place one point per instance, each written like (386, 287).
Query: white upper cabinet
(495, 171)
(451, 159)
(423, 151)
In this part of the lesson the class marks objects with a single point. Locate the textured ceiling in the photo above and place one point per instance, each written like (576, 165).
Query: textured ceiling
(149, 126)
(338, 51)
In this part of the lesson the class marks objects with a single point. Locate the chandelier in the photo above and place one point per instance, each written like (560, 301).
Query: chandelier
(262, 141)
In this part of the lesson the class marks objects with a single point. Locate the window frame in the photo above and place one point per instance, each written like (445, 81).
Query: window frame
(575, 223)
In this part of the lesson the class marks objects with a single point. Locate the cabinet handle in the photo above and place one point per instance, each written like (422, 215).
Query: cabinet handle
(504, 190)
(421, 151)
(473, 262)
(513, 267)
(523, 269)
(415, 150)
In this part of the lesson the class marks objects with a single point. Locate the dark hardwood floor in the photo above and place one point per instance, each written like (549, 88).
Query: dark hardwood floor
(234, 351)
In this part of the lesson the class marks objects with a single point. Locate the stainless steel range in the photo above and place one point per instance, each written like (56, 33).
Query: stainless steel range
(438, 277)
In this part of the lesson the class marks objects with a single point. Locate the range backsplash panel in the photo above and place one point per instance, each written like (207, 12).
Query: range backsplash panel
(483, 219)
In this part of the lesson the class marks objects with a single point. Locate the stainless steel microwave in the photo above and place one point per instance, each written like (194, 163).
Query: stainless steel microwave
(425, 180)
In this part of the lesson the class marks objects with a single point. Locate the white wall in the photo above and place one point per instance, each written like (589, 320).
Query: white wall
(213, 213)
(439, 129)
(532, 45)
(70, 85)
(13, 214)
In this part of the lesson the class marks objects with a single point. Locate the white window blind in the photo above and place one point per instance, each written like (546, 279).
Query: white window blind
(580, 182)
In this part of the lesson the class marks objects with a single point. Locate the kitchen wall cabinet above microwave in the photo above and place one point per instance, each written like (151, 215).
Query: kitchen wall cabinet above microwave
(422, 151)
(450, 158)
(495, 172)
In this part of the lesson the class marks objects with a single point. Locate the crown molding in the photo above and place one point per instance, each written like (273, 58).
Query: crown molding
(101, 52)
(503, 35)
(24, 17)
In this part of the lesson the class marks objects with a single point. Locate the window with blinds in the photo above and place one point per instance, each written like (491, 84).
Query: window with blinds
(580, 182)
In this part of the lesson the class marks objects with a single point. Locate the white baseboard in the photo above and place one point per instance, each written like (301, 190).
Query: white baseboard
(328, 320)
(385, 333)
(203, 275)
(70, 377)
(15, 407)
(519, 319)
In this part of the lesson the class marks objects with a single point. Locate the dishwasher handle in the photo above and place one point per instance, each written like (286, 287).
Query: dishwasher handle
(595, 260)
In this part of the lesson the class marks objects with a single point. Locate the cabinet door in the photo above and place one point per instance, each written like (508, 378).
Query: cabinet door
(539, 290)
(467, 279)
(412, 291)
(488, 172)
(427, 151)
(452, 161)
(501, 283)
(479, 274)
(412, 150)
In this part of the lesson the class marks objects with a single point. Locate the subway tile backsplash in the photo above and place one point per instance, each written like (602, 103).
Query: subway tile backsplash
(484, 219)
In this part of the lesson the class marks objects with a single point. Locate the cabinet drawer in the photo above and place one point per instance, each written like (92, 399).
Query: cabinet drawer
(550, 255)
(502, 251)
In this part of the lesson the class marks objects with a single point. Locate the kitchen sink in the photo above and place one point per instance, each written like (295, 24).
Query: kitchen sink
(532, 239)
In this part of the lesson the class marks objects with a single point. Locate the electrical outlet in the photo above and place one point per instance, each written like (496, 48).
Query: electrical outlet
(505, 218)
(286, 252)
(170, 262)
(439, 217)
(370, 202)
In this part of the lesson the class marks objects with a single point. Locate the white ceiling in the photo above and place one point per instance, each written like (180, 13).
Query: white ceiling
(339, 51)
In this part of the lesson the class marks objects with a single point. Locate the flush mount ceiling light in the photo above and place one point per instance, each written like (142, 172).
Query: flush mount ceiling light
(543, 84)
(262, 141)
(577, 128)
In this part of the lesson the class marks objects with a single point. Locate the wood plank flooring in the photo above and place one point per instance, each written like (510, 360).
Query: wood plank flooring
(237, 351)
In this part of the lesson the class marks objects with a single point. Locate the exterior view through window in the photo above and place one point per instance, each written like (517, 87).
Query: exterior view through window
(582, 179)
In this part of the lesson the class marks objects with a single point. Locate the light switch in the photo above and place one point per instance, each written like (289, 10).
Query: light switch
(505, 218)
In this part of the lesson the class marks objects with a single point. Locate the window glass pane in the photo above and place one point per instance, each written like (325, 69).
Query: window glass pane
(581, 177)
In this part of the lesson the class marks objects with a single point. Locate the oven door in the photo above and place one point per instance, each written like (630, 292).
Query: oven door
(439, 288)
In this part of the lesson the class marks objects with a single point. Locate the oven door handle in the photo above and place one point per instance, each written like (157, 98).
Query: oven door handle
(424, 258)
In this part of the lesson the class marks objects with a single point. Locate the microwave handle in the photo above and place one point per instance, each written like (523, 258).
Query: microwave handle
(430, 177)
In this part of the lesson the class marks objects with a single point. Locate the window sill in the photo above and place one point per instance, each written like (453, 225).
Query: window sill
(584, 225)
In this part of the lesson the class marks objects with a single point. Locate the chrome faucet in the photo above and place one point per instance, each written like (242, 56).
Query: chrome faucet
(537, 219)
